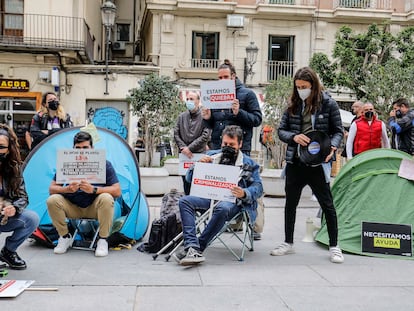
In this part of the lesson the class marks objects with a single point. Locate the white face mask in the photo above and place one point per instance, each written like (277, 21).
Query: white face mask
(304, 93)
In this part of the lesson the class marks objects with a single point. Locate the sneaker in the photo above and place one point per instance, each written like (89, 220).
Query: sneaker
(101, 248)
(12, 259)
(63, 245)
(283, 249)
(192, 257)
(257, 236)
(179, 255)
(336, 254)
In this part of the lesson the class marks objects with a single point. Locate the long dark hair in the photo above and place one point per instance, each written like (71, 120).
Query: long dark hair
(10, 168)
(313, 102)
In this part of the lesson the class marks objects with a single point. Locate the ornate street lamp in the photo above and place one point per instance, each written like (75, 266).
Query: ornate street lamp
(250, 60)
(108, 10)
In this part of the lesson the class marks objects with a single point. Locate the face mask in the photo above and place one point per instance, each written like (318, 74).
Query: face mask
(369, 114)
(53, 105)
(229, 155)
(305, 93)
(190, 104)
(353, 112)
(3, 157)
(398, 114)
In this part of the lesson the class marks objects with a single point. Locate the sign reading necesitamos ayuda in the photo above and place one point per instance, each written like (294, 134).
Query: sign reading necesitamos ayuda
(14, 85)
(389, 239)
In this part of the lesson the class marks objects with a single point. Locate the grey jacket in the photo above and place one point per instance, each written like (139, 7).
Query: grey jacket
(190, 131)
(19, 200)
(327, 119)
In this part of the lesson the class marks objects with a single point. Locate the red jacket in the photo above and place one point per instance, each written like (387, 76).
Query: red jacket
(367, 136)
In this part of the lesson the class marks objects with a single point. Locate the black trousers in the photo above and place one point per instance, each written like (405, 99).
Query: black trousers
(299, 175)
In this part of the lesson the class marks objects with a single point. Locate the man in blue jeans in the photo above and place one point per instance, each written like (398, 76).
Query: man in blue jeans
(247, 192)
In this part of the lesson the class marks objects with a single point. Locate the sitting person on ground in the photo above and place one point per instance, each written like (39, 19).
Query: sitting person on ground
(13, 215)
(83, 200)
(247, 192)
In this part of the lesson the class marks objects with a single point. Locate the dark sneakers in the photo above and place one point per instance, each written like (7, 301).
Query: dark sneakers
(12, 259)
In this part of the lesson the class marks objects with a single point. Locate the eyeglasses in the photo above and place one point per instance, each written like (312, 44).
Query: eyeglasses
(4, 147)
(82, 147)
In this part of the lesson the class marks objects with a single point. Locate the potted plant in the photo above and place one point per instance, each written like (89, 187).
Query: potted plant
(276, 95)
(156, 104)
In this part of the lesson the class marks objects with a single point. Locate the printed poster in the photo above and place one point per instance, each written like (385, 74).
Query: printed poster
(73, 165)
(218, 94)
(214, 181)
(185, 162)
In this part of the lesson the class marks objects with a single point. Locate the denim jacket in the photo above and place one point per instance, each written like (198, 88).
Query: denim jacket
(250, 181)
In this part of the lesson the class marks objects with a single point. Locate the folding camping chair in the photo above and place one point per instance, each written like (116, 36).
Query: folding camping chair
(245, 236)
(85, 234)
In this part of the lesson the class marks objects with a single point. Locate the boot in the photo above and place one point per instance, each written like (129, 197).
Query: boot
(12, 259)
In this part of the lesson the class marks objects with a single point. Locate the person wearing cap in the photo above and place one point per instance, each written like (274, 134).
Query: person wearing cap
(309, 109)
(190, 133)
(14, 217)
(366, 133)
(50, 119)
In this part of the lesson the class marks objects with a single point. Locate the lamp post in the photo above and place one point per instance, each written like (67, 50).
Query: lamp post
(108, 11)
(250, 60)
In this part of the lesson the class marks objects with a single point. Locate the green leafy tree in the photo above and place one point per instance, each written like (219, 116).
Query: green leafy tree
(277, 95)
(156, 104)
(376, 65)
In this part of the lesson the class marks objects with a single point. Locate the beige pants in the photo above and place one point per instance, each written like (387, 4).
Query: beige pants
(101, 209)
(259, 223)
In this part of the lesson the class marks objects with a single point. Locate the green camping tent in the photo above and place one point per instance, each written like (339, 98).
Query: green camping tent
(368, 189)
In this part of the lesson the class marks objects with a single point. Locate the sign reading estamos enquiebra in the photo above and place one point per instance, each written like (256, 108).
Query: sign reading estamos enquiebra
(218, 94)
(14, 85)
(388, 239)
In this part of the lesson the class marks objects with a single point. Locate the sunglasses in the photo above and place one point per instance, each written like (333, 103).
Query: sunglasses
(83, 147)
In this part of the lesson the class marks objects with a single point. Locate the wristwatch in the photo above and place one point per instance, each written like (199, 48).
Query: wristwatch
(95, 190)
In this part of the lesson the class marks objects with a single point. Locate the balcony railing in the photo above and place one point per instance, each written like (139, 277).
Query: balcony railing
(47, 31)
(205, 63)
(363, 4)
(276, 69)
(288, 2)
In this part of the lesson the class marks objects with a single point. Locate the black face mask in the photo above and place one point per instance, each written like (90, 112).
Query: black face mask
(398, 114)
(369, 114)
(229, 155)
(353, 112)
(53, 105)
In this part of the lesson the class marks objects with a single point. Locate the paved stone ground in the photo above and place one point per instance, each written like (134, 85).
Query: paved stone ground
(130, 280)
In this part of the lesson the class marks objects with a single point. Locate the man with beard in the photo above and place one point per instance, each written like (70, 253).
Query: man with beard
(401, 124)
(246, 192)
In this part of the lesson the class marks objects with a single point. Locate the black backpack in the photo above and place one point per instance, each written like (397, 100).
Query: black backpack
(163, 230)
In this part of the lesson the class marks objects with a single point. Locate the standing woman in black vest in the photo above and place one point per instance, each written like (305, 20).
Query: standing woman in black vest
(310, 108)
(50, 119)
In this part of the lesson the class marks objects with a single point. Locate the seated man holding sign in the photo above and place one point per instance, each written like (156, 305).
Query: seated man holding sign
(247, 188)
(81, 199)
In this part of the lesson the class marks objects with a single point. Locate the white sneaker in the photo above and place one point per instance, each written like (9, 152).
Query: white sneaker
(336, 254)
(101, 248)
(63, 245)
(283, 249)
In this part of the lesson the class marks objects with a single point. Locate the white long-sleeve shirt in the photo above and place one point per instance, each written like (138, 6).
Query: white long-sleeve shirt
(385, 142)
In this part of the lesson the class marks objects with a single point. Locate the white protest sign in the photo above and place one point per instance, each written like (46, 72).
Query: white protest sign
(406, 169)
(77, 164)
(186, 162)
(214, 181)
(218, 94)
(13, 288)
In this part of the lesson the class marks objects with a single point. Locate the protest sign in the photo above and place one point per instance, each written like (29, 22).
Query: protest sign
(185, 162)
(214, 181)
(218, 94)
(77, 164)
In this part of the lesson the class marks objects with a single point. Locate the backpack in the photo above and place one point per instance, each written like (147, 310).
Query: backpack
(45, 235)
(163, 230)
(169, 204)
